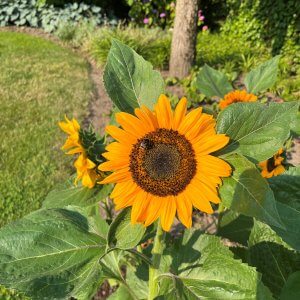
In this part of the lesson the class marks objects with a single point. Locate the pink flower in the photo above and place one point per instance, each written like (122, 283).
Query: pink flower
(201, 18)
(199, 13)
(204, 28)
(146, 21)
(162, 15)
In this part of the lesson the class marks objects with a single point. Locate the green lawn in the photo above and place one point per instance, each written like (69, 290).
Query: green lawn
(39, 83)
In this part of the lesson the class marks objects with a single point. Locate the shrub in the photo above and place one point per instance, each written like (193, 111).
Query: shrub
(30, 13)
(152, 44)
(264, 21)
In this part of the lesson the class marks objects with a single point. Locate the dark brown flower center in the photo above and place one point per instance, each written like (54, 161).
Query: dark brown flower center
(271, 164)
(163, 162)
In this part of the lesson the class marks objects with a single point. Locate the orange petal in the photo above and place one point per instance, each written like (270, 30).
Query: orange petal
(190, 120)
(208, 164)
(145, 119)
(193, 194)
(168, 211)
(120, 135)
(184, 210)
(123, 188)
(114, 165)
(139, 207)
(208, 192)
(118, 176)
(179, 113)
(125, 200)
(163, 112)
(151, 115)
(131, 124)
(210, 144)
(153, 211)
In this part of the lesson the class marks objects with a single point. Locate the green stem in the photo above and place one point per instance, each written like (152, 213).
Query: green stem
(158, 248)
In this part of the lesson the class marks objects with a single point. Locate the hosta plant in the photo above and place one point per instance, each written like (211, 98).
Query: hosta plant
(162, 168)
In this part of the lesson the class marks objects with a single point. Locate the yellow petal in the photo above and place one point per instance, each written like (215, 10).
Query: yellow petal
(151, 115)
(211, 144)
(145, 119)
(193, 194)
(184, 210)
(123, 188)
(121, 135)
(114, 165)
(168, 211)
(153, 211)
(179, 113)
(190, 120)
(163, 112)
(208, 164)
(131, 124)
(118, 176)
(139, 207)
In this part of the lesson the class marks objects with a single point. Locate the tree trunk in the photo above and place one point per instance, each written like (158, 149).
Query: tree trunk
(184, 38)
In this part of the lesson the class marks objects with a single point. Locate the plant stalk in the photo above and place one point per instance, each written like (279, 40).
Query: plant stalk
(158, 248)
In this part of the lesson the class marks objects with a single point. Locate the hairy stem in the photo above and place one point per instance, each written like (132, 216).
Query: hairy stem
(158, 248)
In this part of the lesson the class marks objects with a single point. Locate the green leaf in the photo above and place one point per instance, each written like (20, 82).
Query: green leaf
(262, 77)
(290, 217)
(248, 193)
(291, 289)
(212, 82)
(235, 227)
(286, 187)
(130, 81)
(51, 252)
(256, 130)
(262, 232)
(121, 293)
(217, 275)
(68, 194)
(268, 253)
(122, 234)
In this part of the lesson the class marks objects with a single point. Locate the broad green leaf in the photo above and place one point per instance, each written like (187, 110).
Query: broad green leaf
(122, 293)
(286, 187)
(122, 233)
(235, 227)
(137, 279)
(256, 130)
(130, 81)
(295, 126)
(270, 256)
(262, 232)
(290, 217)
(212, 82)
(262, 77)
(68, 194)
(216, 275)
(286, 190)
(248, 193)
(51, 252)
(291, 290)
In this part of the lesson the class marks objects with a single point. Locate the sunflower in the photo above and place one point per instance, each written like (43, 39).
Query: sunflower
(86, 169)
(236, 96)
(272, 166)
(73, 141)
(162, 163)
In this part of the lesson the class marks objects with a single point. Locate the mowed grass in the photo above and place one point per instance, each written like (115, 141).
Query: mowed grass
(40, 82)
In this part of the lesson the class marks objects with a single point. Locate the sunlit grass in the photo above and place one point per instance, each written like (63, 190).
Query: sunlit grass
(39, 83)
